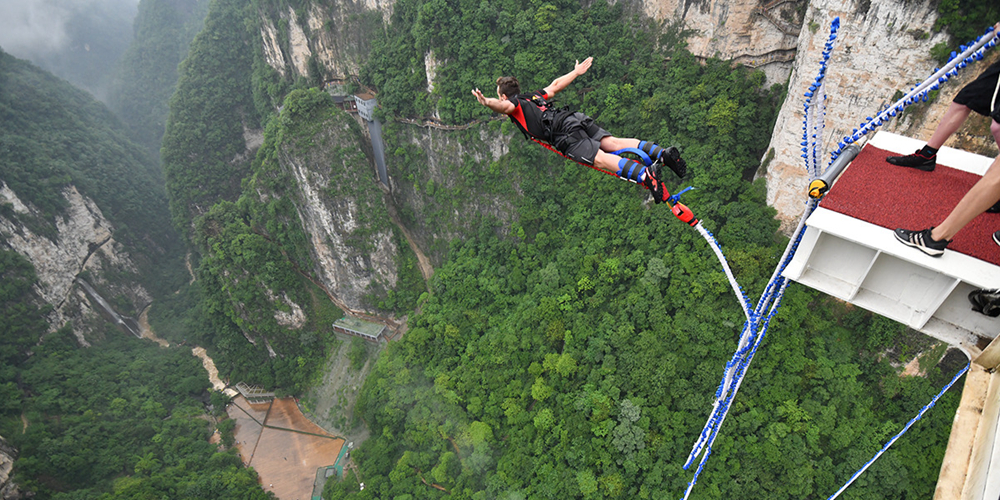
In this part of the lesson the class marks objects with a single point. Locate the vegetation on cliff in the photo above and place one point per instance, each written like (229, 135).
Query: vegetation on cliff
(964, 20)
(204, 139)
(147, 72)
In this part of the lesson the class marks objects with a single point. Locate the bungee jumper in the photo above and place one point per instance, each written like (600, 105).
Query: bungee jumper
(575, 136)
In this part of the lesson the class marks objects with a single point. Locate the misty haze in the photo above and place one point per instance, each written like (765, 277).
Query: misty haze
(79, 40)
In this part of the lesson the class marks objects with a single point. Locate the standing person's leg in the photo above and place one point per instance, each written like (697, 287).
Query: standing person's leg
(953, 118)
(925, 158)
(981, 196)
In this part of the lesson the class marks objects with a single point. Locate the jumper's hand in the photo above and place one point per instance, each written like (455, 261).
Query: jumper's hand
(582, 67)
(479, 96)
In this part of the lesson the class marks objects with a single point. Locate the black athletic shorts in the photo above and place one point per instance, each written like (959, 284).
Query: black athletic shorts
(978, 95)
(578, 137)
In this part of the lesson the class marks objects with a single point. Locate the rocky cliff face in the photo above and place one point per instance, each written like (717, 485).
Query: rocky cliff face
(436, 201)
(883, 47)
(343, 211)
(8, 490)
(81, 242)
(336, 34)
(757, 34)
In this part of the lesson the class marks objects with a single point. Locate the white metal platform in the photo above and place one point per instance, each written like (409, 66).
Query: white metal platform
(863, 264)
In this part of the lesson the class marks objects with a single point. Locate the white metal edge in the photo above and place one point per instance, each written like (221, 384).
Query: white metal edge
(957, 265)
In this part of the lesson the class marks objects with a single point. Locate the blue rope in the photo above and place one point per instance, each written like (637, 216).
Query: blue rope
(971, 53)
(751, 338)
(815, 108)
(676, 198)
(906, 428)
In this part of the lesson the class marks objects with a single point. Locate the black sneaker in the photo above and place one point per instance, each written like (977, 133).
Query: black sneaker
(917, 160)
(994, 209)
(671, 157)
(986, 301)
(996, 237)
(923, 241)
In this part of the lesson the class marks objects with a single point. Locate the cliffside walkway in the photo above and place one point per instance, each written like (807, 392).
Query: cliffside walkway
(757, 60)
(783, 26)
(439, 125)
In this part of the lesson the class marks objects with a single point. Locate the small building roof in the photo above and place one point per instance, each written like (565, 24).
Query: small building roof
(361, 326)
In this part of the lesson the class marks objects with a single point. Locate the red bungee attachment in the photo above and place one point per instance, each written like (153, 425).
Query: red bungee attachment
(684, 213)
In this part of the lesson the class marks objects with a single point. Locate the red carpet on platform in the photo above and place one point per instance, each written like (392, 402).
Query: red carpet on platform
(877, 192)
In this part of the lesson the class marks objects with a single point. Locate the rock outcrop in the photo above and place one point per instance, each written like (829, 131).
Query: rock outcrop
(435, 217)
(762, 35)
(81, 241)
(343, 211)
(8, 489)
(335, 34)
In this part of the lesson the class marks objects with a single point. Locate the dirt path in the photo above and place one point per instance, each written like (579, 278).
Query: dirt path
(213, 372)
(146, 331)
(187, 262)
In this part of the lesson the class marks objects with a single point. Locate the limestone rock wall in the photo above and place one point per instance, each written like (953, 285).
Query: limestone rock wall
(8, 489)
(83, 241)
(343, 212)
(758, 34)
(337, 34)
(435, 215)
(879, 50)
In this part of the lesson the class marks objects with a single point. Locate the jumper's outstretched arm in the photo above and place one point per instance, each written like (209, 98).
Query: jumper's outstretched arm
(498, 106)
(563, 81)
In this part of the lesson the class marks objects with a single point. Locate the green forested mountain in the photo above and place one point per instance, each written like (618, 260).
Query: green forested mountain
(53, 135)
(123, 418)
(147, 72)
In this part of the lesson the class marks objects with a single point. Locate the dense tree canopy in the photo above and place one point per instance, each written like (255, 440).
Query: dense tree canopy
(204, 142)
(119, 420)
